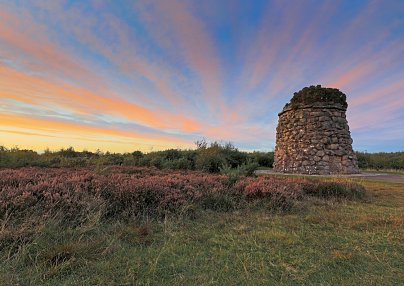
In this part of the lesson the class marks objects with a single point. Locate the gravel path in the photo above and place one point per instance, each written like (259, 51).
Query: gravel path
(375, 176)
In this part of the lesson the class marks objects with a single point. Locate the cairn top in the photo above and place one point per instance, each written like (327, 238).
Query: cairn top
(317, 95)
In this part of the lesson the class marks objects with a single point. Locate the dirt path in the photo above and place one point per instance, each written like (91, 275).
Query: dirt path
(375, 176)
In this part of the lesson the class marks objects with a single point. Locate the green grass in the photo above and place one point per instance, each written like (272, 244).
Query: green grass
(389, 171)
(321, 243)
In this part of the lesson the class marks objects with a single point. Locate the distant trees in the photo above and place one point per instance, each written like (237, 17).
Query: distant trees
(211, 158)
(381, 160)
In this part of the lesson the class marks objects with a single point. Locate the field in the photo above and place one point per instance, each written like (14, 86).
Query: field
(144, 226)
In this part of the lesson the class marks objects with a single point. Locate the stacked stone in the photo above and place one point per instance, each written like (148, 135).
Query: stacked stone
(313, 135)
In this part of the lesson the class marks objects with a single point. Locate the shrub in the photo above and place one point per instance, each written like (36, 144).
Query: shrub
(382, 160)
(206, 157)
(210, 160)
(219, 201)
(157, 162)
(120, 192)
(335, 190)
(68, 153)
(263, 159)
(247, 169)
(216, 156)
(277, 193)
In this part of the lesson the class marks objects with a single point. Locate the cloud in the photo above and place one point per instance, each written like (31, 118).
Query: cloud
(31, 89)
(67, 129)
(373, 64)
(24, 42)
(170, 72)
(187, 34)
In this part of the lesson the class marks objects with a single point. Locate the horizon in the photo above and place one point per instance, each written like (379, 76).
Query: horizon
(155, 75)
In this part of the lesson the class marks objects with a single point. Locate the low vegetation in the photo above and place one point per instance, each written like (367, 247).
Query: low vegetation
(381, 160)
(145, 226)
(192, 217)
(213, 158)
(210, 158)
(36, 194)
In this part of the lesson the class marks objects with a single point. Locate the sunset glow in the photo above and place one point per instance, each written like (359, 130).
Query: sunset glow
(151, 75)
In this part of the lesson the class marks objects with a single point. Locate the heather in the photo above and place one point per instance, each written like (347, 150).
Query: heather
(145, 226)
(123, 225)
(118, 192)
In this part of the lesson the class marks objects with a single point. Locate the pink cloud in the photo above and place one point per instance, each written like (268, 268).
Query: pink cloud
(371, 65)
(31, 89)
(117, 44)
(392, 88)
(26, 43)
(193, 41)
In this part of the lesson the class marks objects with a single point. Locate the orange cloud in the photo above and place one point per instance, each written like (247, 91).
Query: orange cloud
(32, 38)
(25, 133)
(30, 89)
(71, 130)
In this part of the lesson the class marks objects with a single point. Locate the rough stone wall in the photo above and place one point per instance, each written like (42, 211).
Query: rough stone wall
(314, 139)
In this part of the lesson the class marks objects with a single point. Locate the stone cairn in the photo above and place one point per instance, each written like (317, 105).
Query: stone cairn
(313, 136)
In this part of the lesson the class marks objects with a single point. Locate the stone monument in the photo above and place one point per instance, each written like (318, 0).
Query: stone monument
(313, 136)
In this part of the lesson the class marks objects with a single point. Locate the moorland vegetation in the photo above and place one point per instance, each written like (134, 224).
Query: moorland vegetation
(192, 217)
(213, 158)
(126, 225)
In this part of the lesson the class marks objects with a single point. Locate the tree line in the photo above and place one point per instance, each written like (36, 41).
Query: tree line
(214, 158)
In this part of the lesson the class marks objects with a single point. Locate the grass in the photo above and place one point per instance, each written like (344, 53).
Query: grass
(389, 171)
(323, 242)
(264, 168)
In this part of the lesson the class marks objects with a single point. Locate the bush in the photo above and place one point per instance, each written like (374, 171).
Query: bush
(75, 195)
(262, 159)
(213, 158)
(210, 160)
(277, 193)
(179, 164)
(246, 169)
(380, 161)
(219, 201)
(345, 190)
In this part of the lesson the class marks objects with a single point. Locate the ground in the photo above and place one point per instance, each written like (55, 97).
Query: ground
(394, 177)
(321, 243)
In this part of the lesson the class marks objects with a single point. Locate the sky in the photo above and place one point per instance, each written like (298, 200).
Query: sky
(150, 75)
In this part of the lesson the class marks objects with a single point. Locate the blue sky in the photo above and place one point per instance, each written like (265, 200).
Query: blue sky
(151, 75)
